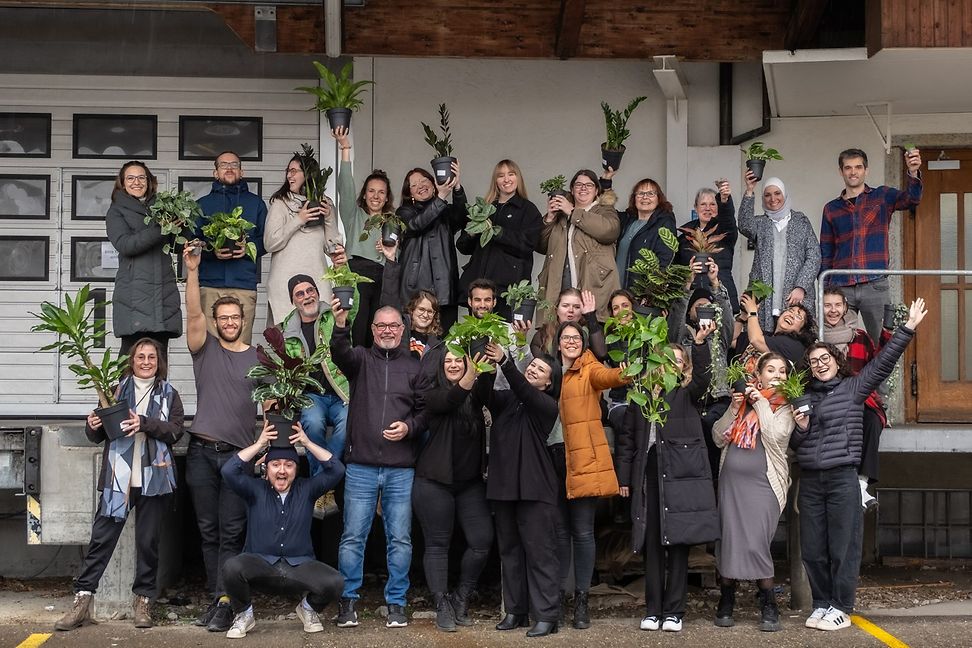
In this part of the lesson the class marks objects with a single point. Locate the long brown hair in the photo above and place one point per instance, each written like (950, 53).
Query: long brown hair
(151, 182)
(493, 194)
(436, 327)
(663, 203)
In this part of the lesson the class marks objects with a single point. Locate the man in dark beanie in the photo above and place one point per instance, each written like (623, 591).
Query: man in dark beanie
(279, 554)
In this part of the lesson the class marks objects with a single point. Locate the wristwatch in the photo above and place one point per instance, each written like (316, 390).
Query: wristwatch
(753, 313)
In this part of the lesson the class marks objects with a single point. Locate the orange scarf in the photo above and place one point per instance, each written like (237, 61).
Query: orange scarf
(746, 426)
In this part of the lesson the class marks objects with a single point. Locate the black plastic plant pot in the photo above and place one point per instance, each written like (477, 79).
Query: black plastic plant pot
(442, 168)
(611, 158)
(562, 193)
(345, 295)
(284, 427)
(802, 404)
(525, 311)
(703, 258)
(705, 313)
(889, 316)
(740, 386)
(391, 233)
(338, 117)
(647, 311)
(756, 166)
(111, 419)
(478, 346)
(314, 222)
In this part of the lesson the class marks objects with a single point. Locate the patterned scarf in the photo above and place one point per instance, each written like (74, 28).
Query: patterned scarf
(157, 465)
(746, 426)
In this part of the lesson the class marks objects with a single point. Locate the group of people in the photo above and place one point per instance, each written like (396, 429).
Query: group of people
(510, 443)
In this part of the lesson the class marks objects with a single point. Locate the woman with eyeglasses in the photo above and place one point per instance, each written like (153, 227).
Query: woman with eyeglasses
(648, 212)
(421, 313)
(716, 214)
(578, 242)
(828, 448)
(572, 305)
(297, 237)
(145, 299)
(582, 460)
(428, 250)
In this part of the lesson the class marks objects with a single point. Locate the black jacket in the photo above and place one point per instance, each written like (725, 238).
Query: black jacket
(450, 422)
(386, 386)
(835, 435)
(520, 466)
(391, 275)
(688, 506)
(726, 220)
(428, 253)
(647, 237)
(508, 257)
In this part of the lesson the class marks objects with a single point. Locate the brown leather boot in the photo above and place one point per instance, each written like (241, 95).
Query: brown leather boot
(143, 612)
(81, 613)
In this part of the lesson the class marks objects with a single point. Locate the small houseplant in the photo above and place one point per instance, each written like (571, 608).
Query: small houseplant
(76, 338)
(757, 155)
(793, 390)
(555, 187)
(442, 164)
(285, 373)
(522, 300)
(650, 361)
(703, 241)
(759, 290)
(176, 213)
(736, 376)
(894, 316)
(616, 122)
(470, 336)
(224, 230)
(340, 95)
(657, 286)
(391, 226)
(315, 180)
(343, 282)
(480, 213)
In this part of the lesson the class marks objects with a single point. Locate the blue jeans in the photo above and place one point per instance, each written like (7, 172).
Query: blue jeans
(362, 486)
(327, 409)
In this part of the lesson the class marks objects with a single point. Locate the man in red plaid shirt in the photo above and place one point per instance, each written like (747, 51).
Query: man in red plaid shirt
(854, 233)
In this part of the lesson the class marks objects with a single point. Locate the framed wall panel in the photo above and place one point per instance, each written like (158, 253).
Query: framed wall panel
(199, 186)
(115, 137)
(91, 196)
(204, 137)
(25, 196)
(26, 135)
(92, 259)
(25, 258)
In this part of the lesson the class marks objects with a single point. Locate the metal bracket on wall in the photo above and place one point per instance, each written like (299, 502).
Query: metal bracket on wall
(885, 139)
(265, 28)
(32, 457)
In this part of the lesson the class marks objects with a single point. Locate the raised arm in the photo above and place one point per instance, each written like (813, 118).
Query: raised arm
(195, 318)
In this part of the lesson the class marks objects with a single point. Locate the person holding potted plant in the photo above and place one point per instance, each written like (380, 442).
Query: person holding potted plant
(508, 257)
(648, 212)
(294, 236)
(795, 331)
(428, 251)
(449, 486)
(754, 476)
(577, 241)
(663, 468)
(572, 306)
(787, 253)
(146, 301)
(828, 449)
(137, 471)
(714, 209)
(421, 313)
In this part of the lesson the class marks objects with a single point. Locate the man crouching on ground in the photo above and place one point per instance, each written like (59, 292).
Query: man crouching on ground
(278, 554)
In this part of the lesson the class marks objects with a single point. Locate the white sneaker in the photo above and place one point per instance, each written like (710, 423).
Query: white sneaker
(814, 619)
(868, 501)
(242, 623)
(650, 623)
(310, 619)
(834, 620)
(672, 624)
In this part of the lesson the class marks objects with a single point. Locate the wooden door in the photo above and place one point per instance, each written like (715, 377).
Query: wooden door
(942, 357)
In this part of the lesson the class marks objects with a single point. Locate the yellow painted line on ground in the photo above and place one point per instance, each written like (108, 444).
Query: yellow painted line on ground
(34, 640)
(881, 635)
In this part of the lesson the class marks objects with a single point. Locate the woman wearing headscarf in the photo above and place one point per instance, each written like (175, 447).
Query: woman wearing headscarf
(787, 253)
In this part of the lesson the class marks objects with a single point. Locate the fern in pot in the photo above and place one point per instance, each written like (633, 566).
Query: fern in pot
(344, 282)
(338, 96)
(176, 213)
(442, 145)
(226, 230)
(616, 123)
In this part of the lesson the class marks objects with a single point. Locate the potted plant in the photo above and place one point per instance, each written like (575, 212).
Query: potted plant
(758, 290)
(480, 213)
(224, 230)
(737, 376)
(657, 286)
(343, 282)
(616, 122)
(522, 300)
(756, 157)
(392, 228)
(315, 179)
(703, 241)
(555, 187)
(441, 165)
(650, 361)
(176, 213)
(76, 338)
(339, 96)
(792, 389)
(894, 316)
(470, 336)
(285, 375)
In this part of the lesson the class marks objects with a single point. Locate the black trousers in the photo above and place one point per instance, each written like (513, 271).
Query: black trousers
(104, 536)
(437, 507)
(574, 528)
(319, 582)
(666, 566)
(529, 555)
(369, 295)
(128, 340)
(872, 441)
(220, 512)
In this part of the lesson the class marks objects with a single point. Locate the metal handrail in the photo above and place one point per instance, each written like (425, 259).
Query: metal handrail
(822, 283)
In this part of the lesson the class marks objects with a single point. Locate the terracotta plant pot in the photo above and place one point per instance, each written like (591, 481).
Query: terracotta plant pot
(284, 427)
(111, 419)
(756, 166)
(345, 295)
(525, 311)
(611, 158)
(442, 168)
(338, 117)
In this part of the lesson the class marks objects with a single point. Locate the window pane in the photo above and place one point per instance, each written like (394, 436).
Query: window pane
(948, 221)
(949, 335)
(24, 258)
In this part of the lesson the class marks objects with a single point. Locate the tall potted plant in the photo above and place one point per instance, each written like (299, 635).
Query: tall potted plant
(470, 336)
(392, 228)
(176, 213)
(343, 282)
(616, 122)
(757, 155)
(285, 375)
(657, 286)
(793, 390)
(703, 241)
(223, 230)
(338, 96)
(315, 179)
(76, 338)
(480, 215)
(441, 165)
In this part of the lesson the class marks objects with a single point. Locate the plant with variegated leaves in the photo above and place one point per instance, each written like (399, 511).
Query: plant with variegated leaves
(225, 228)
(656, 285)
(479, 223)
(703, 240)
(463, 334)
(286, 372)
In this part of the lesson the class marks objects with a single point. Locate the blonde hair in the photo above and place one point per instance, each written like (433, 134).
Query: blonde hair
(686, 364)
(493, 192)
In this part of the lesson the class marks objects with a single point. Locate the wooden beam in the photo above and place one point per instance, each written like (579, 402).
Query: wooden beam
(569, 28)
(804, 23)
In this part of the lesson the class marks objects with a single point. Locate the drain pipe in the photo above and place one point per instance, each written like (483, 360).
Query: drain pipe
(725, 110)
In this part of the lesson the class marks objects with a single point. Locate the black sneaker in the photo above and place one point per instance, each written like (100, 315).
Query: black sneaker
(206, 616)
(347, 617)
(222, 618)
(396, 616)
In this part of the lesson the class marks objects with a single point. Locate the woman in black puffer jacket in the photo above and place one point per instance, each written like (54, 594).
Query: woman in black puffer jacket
(828, 447)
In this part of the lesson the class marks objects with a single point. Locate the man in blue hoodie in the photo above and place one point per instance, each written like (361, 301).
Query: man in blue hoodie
(229, 271)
